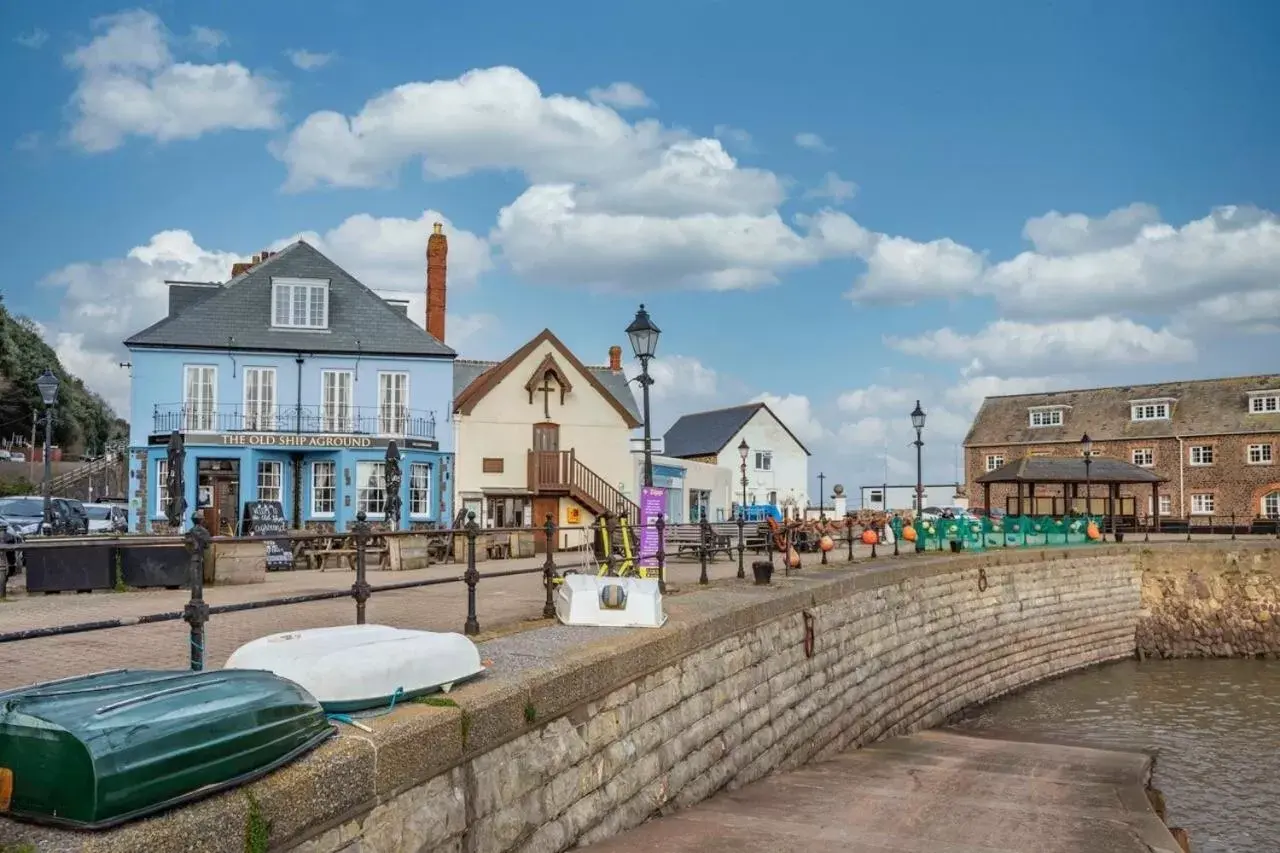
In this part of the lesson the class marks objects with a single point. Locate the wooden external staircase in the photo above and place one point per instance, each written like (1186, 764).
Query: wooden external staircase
(560, 473)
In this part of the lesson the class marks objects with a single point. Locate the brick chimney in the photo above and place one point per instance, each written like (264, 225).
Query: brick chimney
(437, 252)
(615, 359)
(242, 267)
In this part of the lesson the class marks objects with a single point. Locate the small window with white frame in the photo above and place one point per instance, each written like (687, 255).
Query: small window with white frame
(324, 488)
(420, 489)
(162, 486)
(371, 487)
(994, 461)
(1201, 454)
(764, 460)
(300, 303)
(1202, 504)
(1144, 457)
(1046, 416)
(1264, 402)
(270, 481)
(1151, 410)
(1260, 454)
(1166, 505)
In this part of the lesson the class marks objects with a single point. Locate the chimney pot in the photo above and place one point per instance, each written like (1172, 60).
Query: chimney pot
(437, 258)
(615, 359)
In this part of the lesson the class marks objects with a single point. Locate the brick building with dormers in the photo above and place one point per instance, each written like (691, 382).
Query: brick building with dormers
(1216, 441)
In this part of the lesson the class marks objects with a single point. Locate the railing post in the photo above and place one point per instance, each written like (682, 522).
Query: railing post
(196, 611)
(549, 569)
(661, 526)
(1233, 525)
(704, 528)
(360, 590)
(471, 577)
(1188, 527)
(848, 534)
(742, 545)
(1146, 535)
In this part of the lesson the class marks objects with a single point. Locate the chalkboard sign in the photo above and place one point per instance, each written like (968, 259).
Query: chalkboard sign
(266, 518)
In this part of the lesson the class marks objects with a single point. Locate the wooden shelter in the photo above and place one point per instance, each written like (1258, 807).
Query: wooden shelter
(1069, 474)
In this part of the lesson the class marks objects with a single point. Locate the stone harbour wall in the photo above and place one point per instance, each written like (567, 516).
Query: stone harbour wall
(884, 660)
(1222, 602)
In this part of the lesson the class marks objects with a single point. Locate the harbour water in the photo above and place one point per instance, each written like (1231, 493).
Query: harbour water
(1215, 724)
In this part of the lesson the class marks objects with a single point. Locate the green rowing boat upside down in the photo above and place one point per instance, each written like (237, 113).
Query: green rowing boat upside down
(98, 750)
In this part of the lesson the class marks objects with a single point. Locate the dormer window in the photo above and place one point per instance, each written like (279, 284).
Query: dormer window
(299, 303)
(1264, 402)
(1151, 410)
(1047, 416)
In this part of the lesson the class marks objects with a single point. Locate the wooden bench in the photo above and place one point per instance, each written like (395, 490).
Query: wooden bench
(752, 536)
(375, 557)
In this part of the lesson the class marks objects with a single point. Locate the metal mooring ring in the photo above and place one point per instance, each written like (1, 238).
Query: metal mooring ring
(808, 633)
(982, 580)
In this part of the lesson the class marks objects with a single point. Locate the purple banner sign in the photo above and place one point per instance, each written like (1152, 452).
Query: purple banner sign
(653, 502)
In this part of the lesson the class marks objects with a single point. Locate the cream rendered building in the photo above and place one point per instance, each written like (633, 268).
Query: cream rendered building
(541, 433)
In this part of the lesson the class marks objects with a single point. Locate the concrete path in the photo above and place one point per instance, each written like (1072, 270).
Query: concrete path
(935, 791)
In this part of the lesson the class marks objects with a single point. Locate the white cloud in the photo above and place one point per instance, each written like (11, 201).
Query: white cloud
(812, 142)
(102, 303)
(898, 266)
(797, 413)
(308, 60)
(736, 135)
(208, 38)
(969, 394)
(624, 96)
(34, 39)
(876, 398)
(833, 187)
(680, 378)
(130, 84)
(1071, 234)
(1013, 348)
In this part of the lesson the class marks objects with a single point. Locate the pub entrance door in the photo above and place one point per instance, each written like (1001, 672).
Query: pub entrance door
(218, 494)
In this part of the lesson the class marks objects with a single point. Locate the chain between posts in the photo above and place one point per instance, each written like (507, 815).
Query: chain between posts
(549, 568)
(196, 611)
(471, 577)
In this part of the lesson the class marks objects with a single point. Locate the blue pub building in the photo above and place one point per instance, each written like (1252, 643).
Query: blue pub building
(288, 383)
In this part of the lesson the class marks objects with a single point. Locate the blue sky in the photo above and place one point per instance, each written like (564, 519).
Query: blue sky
(844, 206)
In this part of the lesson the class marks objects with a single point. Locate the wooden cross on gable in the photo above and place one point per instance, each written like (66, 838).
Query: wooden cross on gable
(548, 372)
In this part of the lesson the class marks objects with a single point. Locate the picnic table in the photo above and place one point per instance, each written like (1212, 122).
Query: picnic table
(337, 548)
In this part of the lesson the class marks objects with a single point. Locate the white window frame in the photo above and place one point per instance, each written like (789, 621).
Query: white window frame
(1166, 504)
(764, 460)
(1150, 410)
(393, 402)
(274, 469)
(416, 490)
(162, 486)
(1205, 502)
(199, 414)
(260, 407)
(1264, 403)
(994, 461)
(1263, 452)
(337, 410)
(365, 469)
(1046, 416)
(331, 489)
(1273, 512)
(300, 304)
(1201, 459)
(1149, 454)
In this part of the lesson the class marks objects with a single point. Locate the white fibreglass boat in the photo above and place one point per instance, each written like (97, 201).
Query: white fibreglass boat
(357, 667)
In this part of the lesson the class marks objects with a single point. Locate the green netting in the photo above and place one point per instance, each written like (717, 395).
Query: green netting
(1016, 531)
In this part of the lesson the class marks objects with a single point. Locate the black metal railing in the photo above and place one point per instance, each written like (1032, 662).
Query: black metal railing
(395, 421)
(832, 539)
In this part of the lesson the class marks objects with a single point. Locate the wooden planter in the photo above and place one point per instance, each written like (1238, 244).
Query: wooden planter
(73, 568)
(235, 562)
(144, 566)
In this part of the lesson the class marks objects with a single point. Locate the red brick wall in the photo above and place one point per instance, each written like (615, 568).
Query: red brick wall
(1235, 485)
(437, 255)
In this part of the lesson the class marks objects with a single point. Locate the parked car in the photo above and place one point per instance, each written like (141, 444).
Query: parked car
(68, 515)
(10, 534)
(24, 513)
(107, 518)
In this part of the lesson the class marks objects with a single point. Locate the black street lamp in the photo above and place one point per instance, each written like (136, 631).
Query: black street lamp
(1086, 450)
(743, 451)
(822, 495)
(644, 343)
(917, 421)
(48, 386)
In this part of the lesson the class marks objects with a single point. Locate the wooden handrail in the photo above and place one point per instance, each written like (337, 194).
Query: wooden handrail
(561, 469)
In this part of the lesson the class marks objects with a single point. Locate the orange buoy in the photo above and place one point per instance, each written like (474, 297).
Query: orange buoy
(793, 558)
(869, 537)
(826, 543)
(909, 533)
(1092, 531)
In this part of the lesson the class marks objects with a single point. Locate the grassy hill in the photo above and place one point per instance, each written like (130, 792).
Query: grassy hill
(83, 421)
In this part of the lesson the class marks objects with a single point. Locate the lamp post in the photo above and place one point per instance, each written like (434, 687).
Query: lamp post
(743, 451)
(917, 421)
(48, 386)
(822, 495)
(1086, 450)
(644, 343)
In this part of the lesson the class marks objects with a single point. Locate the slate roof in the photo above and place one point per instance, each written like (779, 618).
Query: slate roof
(707, 433)
(238, 315)
(1067, 469)
(466, 371)
(1202, 407)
